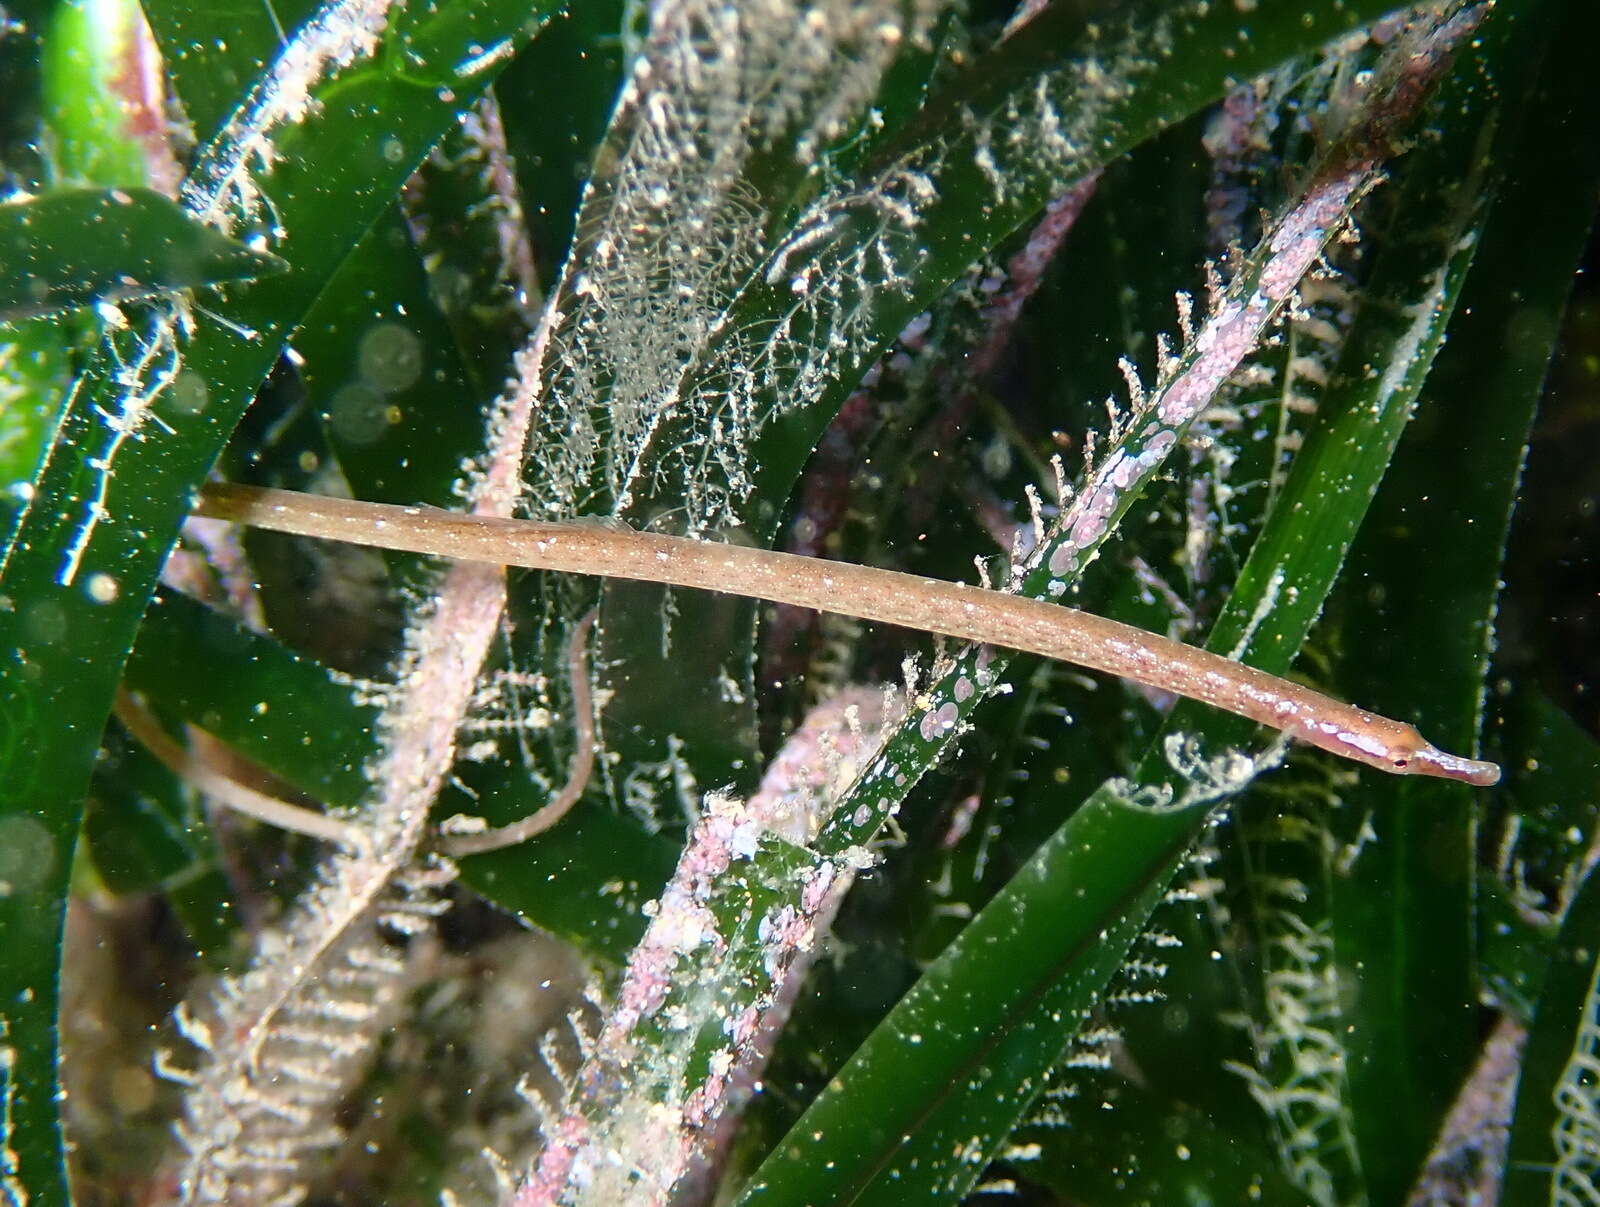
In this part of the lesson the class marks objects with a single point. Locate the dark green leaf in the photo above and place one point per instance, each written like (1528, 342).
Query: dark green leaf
(580, 60)
(106, 507)
(87, 245)
(1403, 907)
(144, 834)
(1134, 1149)
(1551, 1159)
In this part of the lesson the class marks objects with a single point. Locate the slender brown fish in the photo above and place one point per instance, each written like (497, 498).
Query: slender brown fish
(953, 609)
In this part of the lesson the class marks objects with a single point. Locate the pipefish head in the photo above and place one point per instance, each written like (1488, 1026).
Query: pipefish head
(1430, 760)
(1407, 752)
(1399, 749)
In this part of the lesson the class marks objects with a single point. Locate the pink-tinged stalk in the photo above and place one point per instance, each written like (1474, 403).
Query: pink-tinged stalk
(652, 1111)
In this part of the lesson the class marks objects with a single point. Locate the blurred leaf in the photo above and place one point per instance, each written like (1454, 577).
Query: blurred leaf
(93, 54)
(1550, 797)
(1134, 1149)
(467, 218)
(283, 711)
(144, 835)
(1514, 951)
(384, 374)
(139, 828)
(86, 245)
(22, 167)
(34, 376)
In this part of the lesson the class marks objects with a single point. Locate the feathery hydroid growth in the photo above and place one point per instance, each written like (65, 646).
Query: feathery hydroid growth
(670, 232)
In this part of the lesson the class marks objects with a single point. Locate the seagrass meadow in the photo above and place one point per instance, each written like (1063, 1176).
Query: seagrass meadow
(353, 875)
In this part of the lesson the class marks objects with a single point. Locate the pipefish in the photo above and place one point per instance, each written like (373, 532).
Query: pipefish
(867, 593)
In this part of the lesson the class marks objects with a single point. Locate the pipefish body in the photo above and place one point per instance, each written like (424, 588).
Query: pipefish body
(886, 596)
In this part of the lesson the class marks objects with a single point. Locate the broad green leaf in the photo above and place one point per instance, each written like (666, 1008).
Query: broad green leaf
(580, 60)
(385, 377)
(1404, 902)
(1133, 1149)
(88, 245)
(105, 507)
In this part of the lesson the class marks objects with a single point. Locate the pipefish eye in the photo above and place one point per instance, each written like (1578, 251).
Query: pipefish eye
(1400, 762)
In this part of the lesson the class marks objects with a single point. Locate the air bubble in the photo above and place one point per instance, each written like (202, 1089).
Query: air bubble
(390, 357)
(359, 414)
(189, 393)
(27, 856)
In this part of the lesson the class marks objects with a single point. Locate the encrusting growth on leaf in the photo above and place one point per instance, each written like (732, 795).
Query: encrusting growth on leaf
(708, 988)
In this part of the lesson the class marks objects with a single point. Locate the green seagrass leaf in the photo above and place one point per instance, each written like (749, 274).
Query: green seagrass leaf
(1404, 902)
(145, 422)
(90, 245)
(954, 1067)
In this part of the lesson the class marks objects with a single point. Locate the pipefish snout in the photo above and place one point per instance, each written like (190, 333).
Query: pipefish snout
(886, 596)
